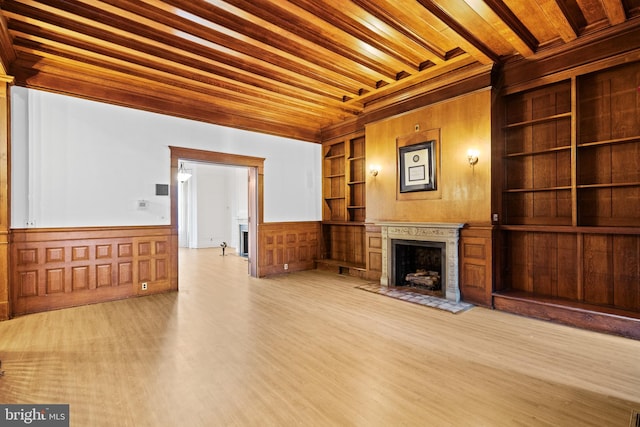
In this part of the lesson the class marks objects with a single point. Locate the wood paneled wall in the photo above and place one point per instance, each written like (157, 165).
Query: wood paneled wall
(463, 192)
(57, 268)
(477, 264)
(296, 244)
(588, 267)
(374, 251)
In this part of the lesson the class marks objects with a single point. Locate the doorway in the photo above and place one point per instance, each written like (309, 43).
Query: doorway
(213, 206)
(255, 168)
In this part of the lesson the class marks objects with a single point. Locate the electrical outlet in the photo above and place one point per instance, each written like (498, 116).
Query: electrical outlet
(286, 266)
(144, 286)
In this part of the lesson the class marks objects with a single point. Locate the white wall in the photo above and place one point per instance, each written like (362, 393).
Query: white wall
(82, 163)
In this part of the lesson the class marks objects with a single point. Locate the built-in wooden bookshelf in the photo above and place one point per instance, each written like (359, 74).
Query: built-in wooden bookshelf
(333, 186)
(344, 210)
(356, 184)
(609, 148)
(538, 157)
(344, 180)
(571, 195)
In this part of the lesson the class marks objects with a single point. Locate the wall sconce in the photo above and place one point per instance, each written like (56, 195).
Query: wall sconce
(374, 169)
(472, 156)
(183, 175)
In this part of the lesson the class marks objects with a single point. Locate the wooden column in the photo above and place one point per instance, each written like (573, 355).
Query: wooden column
(5, 176)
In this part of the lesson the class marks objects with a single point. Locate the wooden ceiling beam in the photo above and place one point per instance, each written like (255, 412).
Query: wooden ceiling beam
(557, 18)
(465, 37)
(615, 11)
(46, 40)
(303, 24)
(124, 30)
(203, 86)
(397, 18)
(360, 24)
(220, 26)
(120, 42)
(503, 20)
(7, 53)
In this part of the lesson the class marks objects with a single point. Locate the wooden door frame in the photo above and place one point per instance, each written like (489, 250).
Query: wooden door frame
(256, 199)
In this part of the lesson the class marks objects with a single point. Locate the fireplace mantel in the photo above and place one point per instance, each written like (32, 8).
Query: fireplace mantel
(449, 233)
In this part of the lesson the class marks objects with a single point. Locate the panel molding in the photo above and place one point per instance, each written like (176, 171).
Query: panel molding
(476, 264)
(66, 267)
(296, 244)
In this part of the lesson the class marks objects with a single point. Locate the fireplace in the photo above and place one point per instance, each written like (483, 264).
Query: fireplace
(418, 264)
(428, 243)
(244, 240)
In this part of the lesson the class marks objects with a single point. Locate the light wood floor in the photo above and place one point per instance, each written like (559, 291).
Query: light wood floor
(309, 349)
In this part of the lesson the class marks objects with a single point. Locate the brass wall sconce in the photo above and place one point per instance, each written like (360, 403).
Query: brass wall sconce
(472, 156)
(374, 169)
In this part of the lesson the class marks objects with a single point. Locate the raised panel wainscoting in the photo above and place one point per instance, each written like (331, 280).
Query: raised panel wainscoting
(58, 268)
(476, 264)
(295, 245)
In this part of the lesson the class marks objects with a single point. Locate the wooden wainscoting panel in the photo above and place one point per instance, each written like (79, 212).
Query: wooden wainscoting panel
(476, 264)
(27, 284)
(125, 273)
(103, 275)
(55, 280)
(153, 264)
(27, 256)
(56, 268)
(125, 250)
(55, 254)
(79, 253)
(373, 249)
(79, 277)
(296, 244)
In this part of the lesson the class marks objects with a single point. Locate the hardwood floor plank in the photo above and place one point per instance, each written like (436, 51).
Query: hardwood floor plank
(310, 349)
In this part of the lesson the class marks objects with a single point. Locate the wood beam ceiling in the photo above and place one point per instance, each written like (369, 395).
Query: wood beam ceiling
(289, 68)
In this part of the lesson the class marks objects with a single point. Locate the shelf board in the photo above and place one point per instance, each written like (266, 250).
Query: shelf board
(356, 158)
(554, 228)
(334, 156)
(338, 175)
(533, 153)
(535, 190)
(356, 182)
(610, 185)
(335, 198)
(610, 142)
(539, 121)
(356, 207)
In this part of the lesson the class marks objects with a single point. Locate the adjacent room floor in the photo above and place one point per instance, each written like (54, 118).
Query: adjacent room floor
(310, 349)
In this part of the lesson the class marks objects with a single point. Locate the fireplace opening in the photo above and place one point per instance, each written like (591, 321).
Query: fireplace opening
(419, 264)
(244, 240)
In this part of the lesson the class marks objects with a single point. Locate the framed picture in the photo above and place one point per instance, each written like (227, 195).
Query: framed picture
(417, 167)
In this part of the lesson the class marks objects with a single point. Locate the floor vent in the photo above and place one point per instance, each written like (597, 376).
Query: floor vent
(635, 419)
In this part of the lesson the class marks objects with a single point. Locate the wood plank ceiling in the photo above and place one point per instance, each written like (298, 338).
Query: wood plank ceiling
(289, 68)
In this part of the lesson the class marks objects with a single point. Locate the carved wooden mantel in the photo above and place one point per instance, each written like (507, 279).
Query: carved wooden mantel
(448, 233)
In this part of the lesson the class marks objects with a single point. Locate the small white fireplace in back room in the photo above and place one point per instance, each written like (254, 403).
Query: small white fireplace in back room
(243, 249)
(423, 255)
